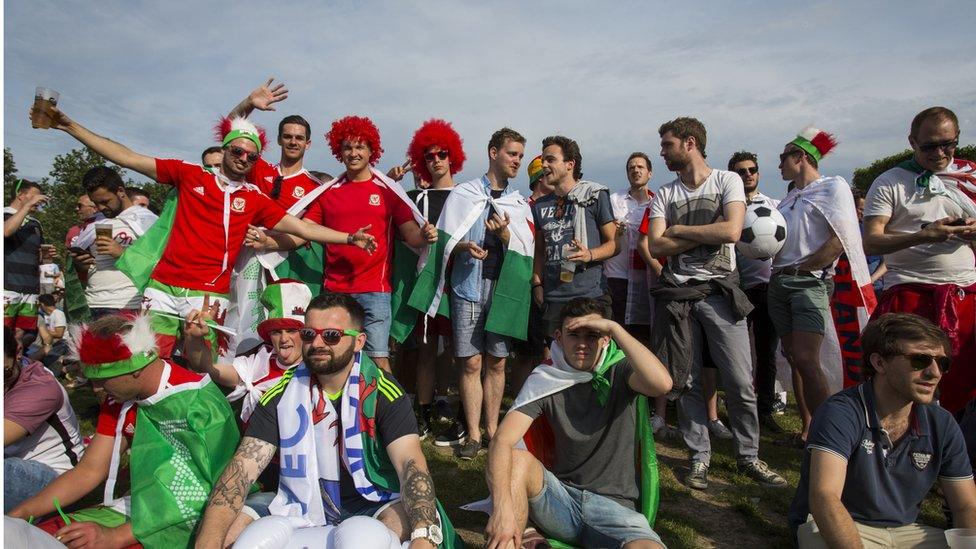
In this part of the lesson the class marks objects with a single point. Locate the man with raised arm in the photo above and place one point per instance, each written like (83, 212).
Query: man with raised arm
(591, 392)
(213, 213)
(347, 438)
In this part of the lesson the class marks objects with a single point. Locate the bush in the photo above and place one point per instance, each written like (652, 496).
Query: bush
(863, 177)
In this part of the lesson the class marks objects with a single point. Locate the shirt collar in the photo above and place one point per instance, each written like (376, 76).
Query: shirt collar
(917, 417)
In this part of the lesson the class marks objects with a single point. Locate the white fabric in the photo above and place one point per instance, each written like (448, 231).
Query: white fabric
(630, 212)
(273, 532)
(54, 319)
(553, 376)
(806, 227)
(252, 368)
(107, 286)
(755, 271)
(893, 195)
(48, 272)
(675, 202)
(18, 533)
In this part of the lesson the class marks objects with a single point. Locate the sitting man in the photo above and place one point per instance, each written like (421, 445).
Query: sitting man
(875, 450)
(40, 430)
(249, 376)
(593, 398)
(347, 438)
(180, 429)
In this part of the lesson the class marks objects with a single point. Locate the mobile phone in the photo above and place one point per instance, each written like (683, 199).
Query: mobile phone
(957, 223)
(77, 250)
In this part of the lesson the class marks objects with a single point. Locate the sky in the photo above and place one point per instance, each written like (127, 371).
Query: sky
(155, 76)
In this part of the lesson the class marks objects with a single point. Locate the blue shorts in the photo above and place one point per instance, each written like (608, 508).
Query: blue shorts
(580, 517)
(468, 322)
(378, 320)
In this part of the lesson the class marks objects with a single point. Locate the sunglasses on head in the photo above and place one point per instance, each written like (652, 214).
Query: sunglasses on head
(330, 336)
(921, 361)
(944, 145)
(239, 152)
(747, 171)
(429, 157)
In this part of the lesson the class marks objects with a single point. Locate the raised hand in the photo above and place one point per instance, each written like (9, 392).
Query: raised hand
(582, 253)
(255, 238)
(58, 119)
(195, 324)
(593, 322)
(499, 225)
(106, 245)
(396, 173)
(263, 97)
(363, 240)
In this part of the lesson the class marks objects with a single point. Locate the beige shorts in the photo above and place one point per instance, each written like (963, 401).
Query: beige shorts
(916, 536)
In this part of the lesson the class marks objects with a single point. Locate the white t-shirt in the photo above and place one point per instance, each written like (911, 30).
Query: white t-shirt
(679, 205)
(951, 262)
(630, 212)
(48, 272)
(806, 229)
(753, 272)
(107, 286)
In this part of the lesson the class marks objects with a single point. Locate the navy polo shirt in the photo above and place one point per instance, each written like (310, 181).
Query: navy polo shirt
(885, 484)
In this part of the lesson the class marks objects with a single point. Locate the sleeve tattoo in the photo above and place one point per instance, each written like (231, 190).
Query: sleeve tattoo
(419, 501)
(251, 458)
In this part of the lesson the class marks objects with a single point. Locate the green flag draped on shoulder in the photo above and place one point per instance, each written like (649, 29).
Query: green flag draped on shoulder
(420, 290)
(75, 304)
(138, 260)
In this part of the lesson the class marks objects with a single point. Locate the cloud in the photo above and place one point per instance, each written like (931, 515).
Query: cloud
(155, 76)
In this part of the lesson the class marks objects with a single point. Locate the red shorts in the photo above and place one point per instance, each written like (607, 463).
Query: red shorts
(428, 328)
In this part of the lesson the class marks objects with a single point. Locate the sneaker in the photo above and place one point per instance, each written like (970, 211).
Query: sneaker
(768, 423)
(761, 473)
(423, 428)
(719, 430)
(470, 449)
(698, 476)
(455, 435)
(442, 411)
(779, 408)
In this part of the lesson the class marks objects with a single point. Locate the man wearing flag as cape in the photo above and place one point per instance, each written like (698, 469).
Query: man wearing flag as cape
(179, 427)
(594, 482)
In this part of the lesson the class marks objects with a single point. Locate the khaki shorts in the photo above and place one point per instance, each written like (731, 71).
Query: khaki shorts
(799, 303)
(916, 536)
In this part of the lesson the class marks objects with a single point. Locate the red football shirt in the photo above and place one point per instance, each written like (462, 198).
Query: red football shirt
(108, 412)
(194, 254)
(293, 187)
(346, 207)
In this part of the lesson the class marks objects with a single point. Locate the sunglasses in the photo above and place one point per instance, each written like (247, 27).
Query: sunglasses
(921, 361)
(429, 157)
(238, 152)
(330, 336)
(786, 155)
(747, 171)
(944, 145)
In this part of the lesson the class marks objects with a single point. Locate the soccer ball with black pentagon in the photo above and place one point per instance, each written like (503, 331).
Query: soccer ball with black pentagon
(763, 232)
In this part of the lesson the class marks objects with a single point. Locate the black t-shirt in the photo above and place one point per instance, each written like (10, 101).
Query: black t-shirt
(492, 265)
(394, 419)
(434, 201)
(20, 256)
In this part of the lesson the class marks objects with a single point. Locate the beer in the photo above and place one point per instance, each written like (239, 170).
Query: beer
(44, 100)
(103, 230)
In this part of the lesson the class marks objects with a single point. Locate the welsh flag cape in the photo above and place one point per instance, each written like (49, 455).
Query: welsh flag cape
(308, 492)
(76, 308)
(420, 290)
(957, 181)
(185, 436)
(138, 260)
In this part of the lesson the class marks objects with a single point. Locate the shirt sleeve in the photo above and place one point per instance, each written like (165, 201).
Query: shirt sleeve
(732, 189)
(955, 459)
(879, 200)
(263, 423)
(58, 319)
(259, 173)
(31, 408)
(656, 208)
(269, 213)
(170, 171)
(108, 417)
(532, 409)
(394, 418)
(604, 211)
(314, 211)
(835, 428)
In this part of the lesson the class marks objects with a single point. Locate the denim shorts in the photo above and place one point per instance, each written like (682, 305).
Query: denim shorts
(799, 303)
(378, 321)
(23, 479)
(468, 322)
(580, 517)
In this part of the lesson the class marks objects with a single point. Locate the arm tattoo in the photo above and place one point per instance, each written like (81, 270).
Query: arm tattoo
(419, 502)
(251, 458)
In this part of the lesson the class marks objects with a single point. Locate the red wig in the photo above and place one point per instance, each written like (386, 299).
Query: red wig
(439, 133)
(225, 125)
(355, 128)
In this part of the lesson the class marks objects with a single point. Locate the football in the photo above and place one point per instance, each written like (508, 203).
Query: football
(763, 232)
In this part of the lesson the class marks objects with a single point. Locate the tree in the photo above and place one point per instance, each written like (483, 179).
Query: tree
(863, 177)
(9, 171)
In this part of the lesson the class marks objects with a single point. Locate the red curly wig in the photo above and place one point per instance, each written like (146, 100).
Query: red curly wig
(357, 128)
(440, 133)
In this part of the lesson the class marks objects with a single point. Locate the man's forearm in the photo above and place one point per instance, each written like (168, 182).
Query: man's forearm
(886, 243)
(419, 501)
(227, 496)
(824, 256)
(604, 251)
(242, 109)
(67, 488)
(499, 473)
(652, 377)
(722, 232)
(112, 151)
(14, 222)
(665, 246)
(835, 523)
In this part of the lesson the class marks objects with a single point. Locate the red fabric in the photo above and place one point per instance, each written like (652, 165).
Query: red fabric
(846, 306)
(954, 310)
(25, 323)
(194, 254)
(55, 523)
(347, 207)
(108, 412)
(293, 187)
(645, 228)
(540, 441)
(433, 327)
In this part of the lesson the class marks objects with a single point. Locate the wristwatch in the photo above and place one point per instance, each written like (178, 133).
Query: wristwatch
(432, 533)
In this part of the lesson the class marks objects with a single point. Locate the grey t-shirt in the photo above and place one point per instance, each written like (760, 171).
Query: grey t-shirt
(595, 444)
(558, 231)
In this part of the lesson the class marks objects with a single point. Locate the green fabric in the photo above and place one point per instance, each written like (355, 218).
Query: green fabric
(101, 515)
(509, 312)
(119, 367)
(23, 309)
(75, 304)
(181, 445)
(600, 381)
(379, 470)
(412, 291)
(923, 175)
(138, 260)
(807, 146)
(305, 263)
(236, 134)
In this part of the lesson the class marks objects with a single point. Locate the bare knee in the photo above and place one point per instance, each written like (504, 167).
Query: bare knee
(240, 523)
(471, 366)
(526, 472)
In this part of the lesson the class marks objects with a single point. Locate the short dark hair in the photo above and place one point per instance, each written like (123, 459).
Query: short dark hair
(639, 154)
(885, 334)
(742, 156)
(102, 177)
(582, 306)
(109, 325)
(295, 119)
(210, 150)
(570, 150)
(328, 300)
(857, 193)
(501, 136)
(24, 185)
(937, 113)
(133, 192)
(685, 127)
(47, 300)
